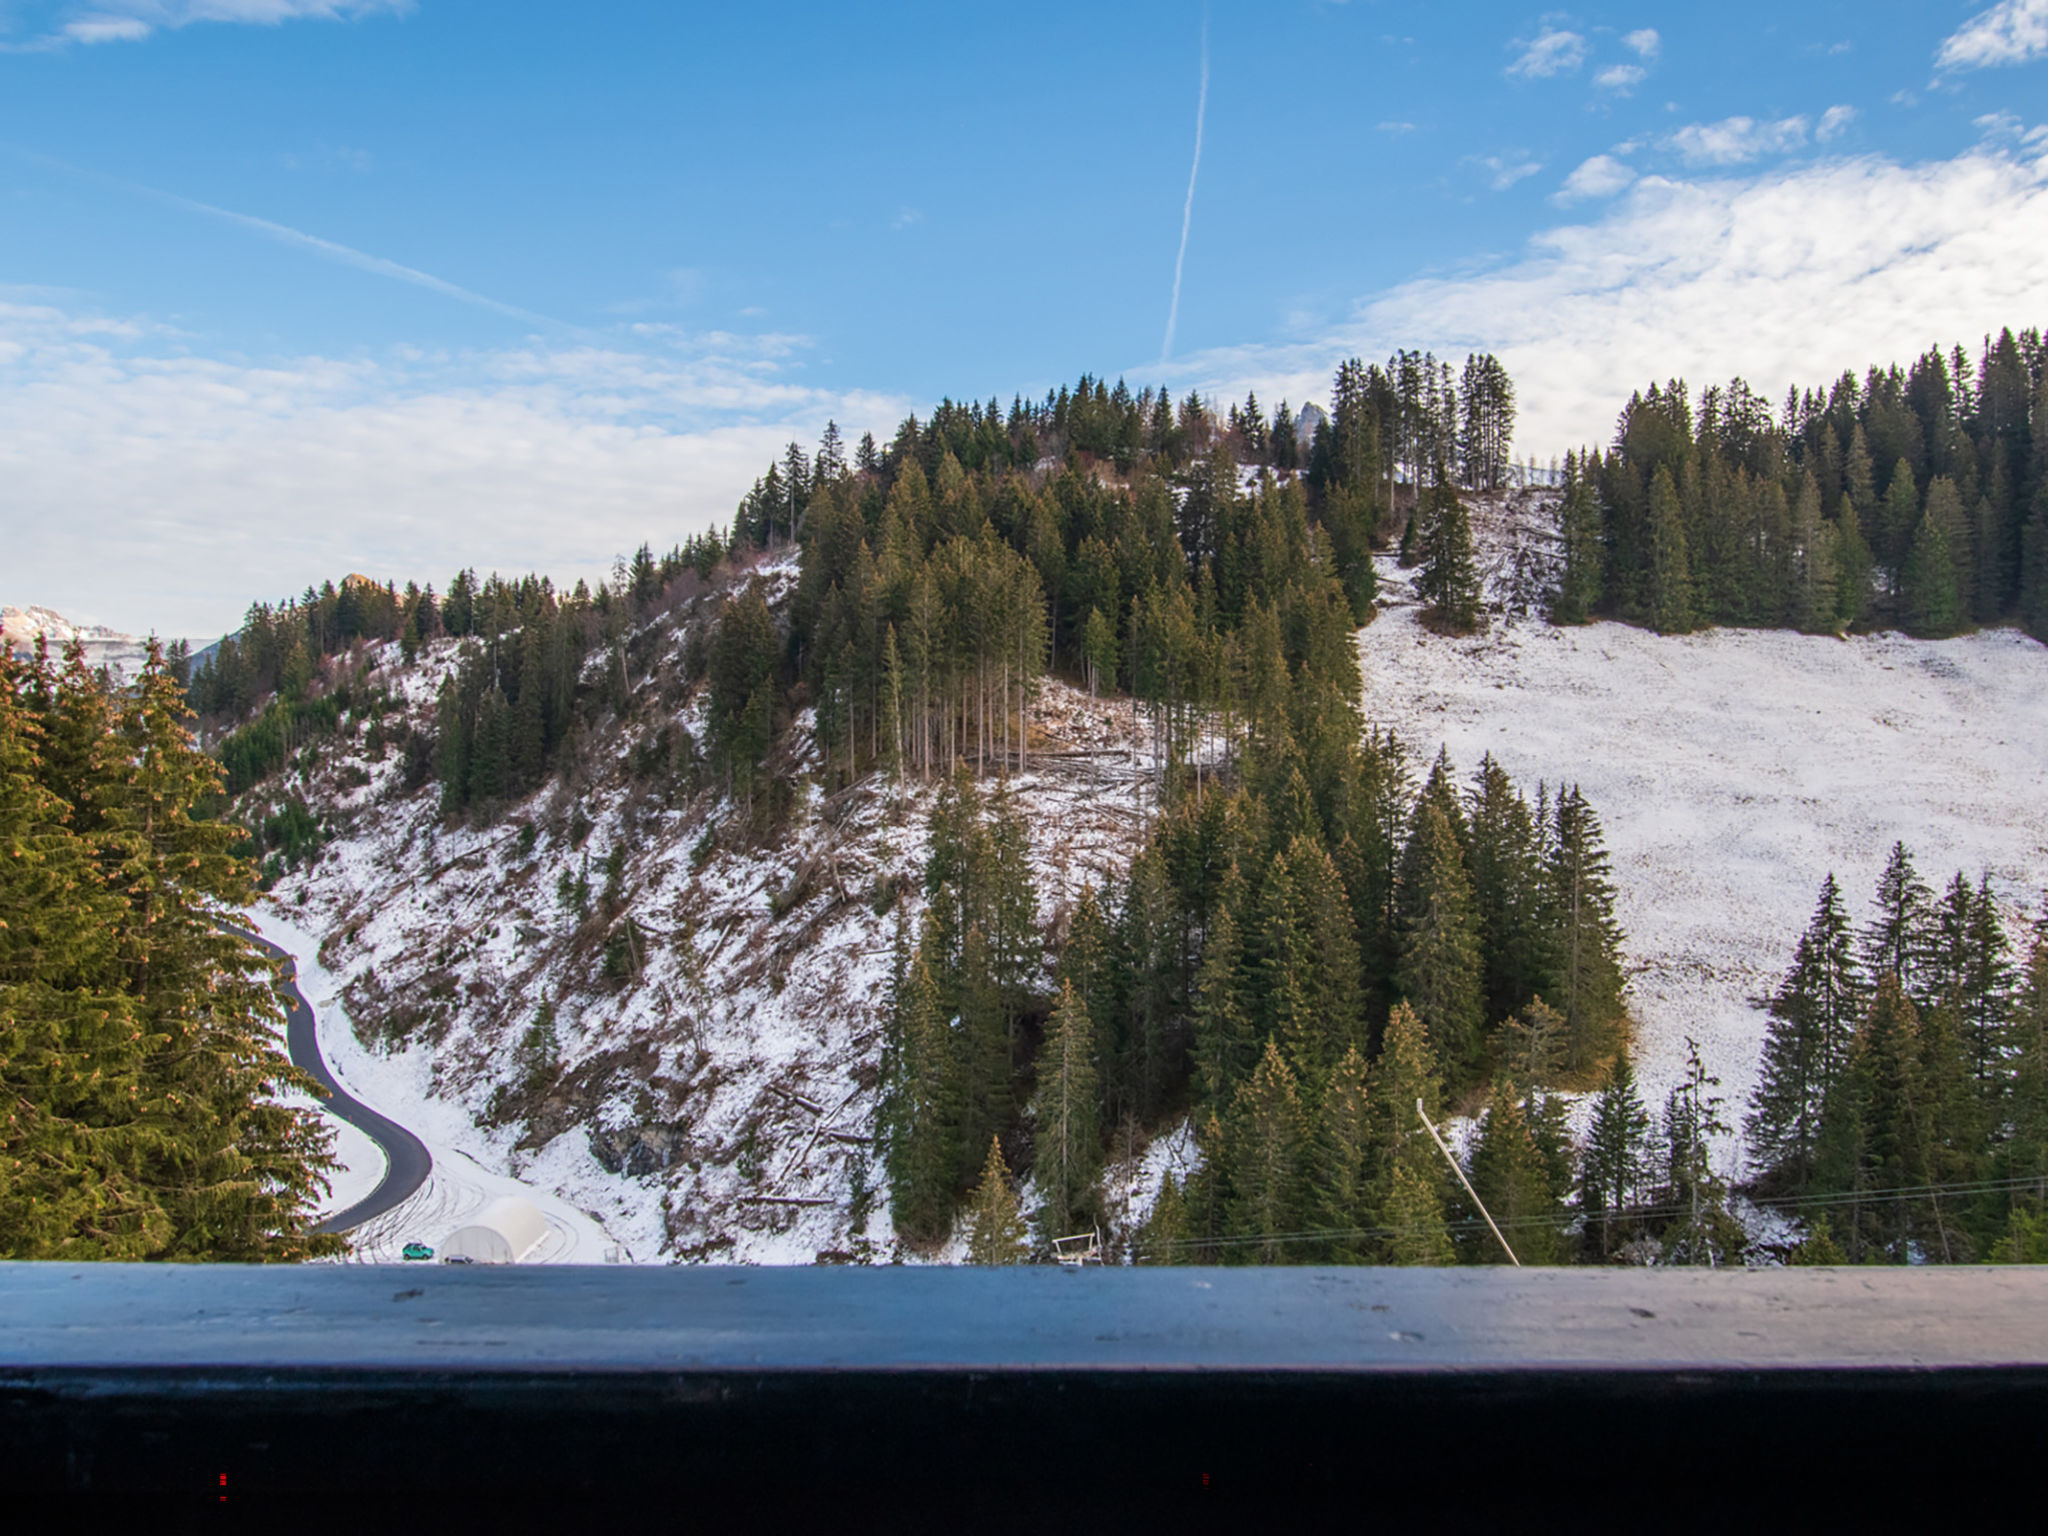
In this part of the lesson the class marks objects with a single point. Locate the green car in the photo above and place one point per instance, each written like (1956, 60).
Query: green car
(415, 1251)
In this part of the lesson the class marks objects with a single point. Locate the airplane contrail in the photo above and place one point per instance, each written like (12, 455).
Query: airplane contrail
(333, 250)
(349, 256)
(1187, 213)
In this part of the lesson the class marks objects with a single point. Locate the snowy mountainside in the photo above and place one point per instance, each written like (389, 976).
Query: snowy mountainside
(1732, 770)
(717, 1101)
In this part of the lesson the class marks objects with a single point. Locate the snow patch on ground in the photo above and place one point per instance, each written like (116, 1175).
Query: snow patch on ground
(1732, 770)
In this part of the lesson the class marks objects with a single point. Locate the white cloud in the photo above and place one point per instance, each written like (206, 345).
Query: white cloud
(1503, 171)
(1552, 53)
(1785, 276)
(1737, 140)
(1834, 123)
(150, 487)
(1601, 176)
(124, 21)
(1396, 128)
(106, 29)
(2011, 32)
(905, 217)
(1644, 43)
(1621, 77)
(2005, 125)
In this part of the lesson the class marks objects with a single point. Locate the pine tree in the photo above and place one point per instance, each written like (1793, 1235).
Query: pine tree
(1164, 1237)
(1901, 515)
(1883, 1128)
(1439, 973)
(1509, 1176)
(1853, 562)
(1449, 579)
(1585, 940)
(1408, 1187)
(1341, 1160)
(1896, 941)
(1507, 889)
(1669, 596)
(1806, 1047)
(1816, 591)
(1265, 1141)
(1308, 969)
(2027, 1151)
(1226, 1044)
(1067, 1155)
(995, 1228)
(1703, 1232)
(137, 1032)
(1934, 606)
(920, 1108)
(1617, 1154)
(1581, 582)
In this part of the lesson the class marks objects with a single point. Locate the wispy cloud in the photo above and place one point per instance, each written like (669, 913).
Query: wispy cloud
(1503, 171)
(1187, 212)
(1551, 52)
(2012, 32)
(1601, 176)
(1621, 78)
(1834, 123)
(1395, 128)
(1644, 43)
(129, 21)
(905, 217)
(1737, 140)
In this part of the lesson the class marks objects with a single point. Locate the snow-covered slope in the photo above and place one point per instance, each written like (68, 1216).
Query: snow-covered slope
(1733, 770)
(719, 1103)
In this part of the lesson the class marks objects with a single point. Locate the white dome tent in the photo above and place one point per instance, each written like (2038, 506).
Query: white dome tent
(503, 1232)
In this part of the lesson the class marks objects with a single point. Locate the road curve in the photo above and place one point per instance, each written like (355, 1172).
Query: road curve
(406, 1159)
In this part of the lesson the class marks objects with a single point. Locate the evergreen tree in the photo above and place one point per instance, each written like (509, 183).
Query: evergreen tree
(1585, 940)
(1806, 1047)
(1669, 594)
(1440, 967)
(1341, 1160)
(138, 1062)
(1853, 563)
(1816, 589)
(1164, 1237)
(1309, 960)
(920, 1108)
(1067, 1156)
(1703, 1232)
(1226, 1043)
(1617, 1154)
(1877, 1131)
(1509, 1176)
(1896, 941)
(1934, 606)
(1265, 1142)
(2027, 1151)
(995, 1228)
(1449, 580)
(1408, 1188)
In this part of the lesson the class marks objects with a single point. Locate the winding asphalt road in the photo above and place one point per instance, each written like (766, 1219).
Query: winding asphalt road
(406, 1160)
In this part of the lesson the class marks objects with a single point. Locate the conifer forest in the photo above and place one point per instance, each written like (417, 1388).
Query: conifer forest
(1381, 997)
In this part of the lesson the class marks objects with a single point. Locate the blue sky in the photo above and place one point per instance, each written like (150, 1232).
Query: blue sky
(289, 287)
